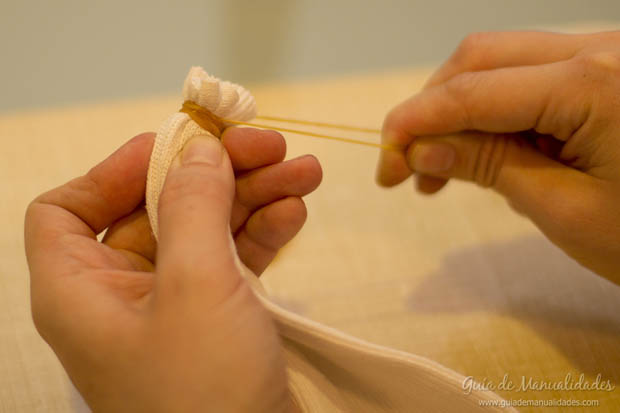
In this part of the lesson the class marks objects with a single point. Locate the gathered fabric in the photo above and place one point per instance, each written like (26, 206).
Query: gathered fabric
(328, 370)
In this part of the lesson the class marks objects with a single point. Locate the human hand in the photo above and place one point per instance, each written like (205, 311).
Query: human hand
(168, 327)
(267, 211)
(535, 116)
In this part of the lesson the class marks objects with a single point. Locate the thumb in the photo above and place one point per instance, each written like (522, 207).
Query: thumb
(547, 191)
(195, 248)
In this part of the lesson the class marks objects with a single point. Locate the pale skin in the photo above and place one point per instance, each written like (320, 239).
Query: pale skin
(536, 117)
(141, 327)
(173, 327)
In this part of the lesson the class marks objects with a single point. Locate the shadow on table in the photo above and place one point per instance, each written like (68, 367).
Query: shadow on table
(532, 280)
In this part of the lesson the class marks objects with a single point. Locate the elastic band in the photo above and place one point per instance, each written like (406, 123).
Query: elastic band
(320, 124)
(204, 118)
(216, 125)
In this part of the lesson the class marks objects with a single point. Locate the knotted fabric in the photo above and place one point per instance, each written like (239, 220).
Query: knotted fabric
(329, 371)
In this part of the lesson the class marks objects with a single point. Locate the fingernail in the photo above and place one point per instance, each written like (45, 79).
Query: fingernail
(202, 149)
(432, 158)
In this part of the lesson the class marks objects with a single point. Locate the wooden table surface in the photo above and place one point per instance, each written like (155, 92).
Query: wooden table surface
(457, 277)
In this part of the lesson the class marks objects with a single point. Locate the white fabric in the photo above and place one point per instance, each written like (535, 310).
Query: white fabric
(329, 371)
(224, 99)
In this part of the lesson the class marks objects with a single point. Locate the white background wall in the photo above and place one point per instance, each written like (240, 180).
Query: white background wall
(58, 52)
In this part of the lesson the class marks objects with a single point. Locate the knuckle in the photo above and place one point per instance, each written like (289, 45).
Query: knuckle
(469, 44)
(459, 90)
(608, 36)
(33, 218)
(186, 281)
(486, 164)
(469, 56)
(394, 128)
(31, 210)
(599, 66)
(394, 118)
(389, 120)
(469, 50)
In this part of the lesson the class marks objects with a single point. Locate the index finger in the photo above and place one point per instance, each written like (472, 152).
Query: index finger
(87, 205)
(505, 100)
(493, 50)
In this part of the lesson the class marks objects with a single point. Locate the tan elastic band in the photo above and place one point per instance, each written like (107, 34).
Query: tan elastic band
(216, 125)
(204, 118)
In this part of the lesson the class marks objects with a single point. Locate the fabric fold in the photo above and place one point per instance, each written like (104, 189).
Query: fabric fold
(329, 371)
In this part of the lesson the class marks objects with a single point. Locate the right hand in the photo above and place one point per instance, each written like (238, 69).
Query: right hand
(535, 116)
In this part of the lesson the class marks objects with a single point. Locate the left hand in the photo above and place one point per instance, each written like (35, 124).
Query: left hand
(184, 333)
(268, 210)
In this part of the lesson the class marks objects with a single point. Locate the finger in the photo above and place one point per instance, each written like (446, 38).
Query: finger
(297, 177)
(110, 190)
(268, 230)
(87, 205)
(430, 184)
(492, 50)
(485, 51)
(247, 148)
(503, 100)
(533, 183)
(560, 200)
(133, 236)
(195, 253)
(250, 148)
(392, 168)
